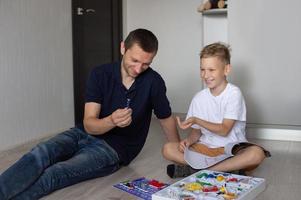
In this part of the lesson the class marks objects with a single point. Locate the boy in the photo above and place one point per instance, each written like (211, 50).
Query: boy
(217, 116)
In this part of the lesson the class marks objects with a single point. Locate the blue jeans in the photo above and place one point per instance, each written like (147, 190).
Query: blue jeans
(66, 159)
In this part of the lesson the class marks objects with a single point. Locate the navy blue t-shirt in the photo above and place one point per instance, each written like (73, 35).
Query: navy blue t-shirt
(147, 93)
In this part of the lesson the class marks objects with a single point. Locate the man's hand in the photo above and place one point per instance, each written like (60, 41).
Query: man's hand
(122, 117)
(187, 123)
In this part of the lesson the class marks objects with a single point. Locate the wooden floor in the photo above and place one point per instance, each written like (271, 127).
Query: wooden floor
(282, 171)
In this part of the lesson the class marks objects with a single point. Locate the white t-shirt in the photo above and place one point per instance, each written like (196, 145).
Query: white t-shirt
(230, 104)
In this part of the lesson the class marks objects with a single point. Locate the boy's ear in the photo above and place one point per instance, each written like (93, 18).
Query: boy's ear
(227, 70)
(122, 48)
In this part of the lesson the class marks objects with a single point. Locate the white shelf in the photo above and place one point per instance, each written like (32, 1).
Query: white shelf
(220, 11)
(215, 26)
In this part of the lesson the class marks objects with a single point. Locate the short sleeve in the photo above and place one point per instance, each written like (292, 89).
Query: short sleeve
(235, 107)
(93, 88)
(160, 101)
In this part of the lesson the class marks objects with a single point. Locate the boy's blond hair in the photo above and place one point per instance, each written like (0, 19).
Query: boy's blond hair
(218, 49)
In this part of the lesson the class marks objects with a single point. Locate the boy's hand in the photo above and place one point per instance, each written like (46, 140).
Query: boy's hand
(185, 124)
(122, 117)
(183, 145)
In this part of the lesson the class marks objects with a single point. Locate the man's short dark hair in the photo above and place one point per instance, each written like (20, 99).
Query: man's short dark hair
(144, 39)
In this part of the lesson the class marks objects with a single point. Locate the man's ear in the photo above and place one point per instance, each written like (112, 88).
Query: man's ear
(228, 69)
(122, 48)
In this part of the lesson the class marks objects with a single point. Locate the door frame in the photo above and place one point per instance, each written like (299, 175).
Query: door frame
(77, 31)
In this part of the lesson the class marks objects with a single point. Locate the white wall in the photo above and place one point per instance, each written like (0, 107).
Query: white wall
(36, 80)
(177, 24)
(265, 37)
(215, 28)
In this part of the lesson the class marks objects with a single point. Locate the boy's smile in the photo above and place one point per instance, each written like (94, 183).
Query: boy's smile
(214, 73)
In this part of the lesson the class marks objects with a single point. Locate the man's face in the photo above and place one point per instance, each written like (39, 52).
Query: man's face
(135, 60)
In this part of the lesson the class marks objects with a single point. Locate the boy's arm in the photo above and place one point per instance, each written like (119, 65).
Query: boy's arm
(221, 129)
(194, 136)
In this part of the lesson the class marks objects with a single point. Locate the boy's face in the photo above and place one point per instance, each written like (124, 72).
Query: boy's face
(214, 72)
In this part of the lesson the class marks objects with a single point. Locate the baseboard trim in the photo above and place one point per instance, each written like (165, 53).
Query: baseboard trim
(268, 132)
(29, 144)
(274, 134)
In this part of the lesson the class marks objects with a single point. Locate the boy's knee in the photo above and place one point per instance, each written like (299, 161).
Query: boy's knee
(167, 150)
(256, 155)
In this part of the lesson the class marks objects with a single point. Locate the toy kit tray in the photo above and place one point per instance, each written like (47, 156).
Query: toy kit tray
(211, 185)
(141, 187)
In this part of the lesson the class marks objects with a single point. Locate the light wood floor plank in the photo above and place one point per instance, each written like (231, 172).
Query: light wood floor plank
(282, 171)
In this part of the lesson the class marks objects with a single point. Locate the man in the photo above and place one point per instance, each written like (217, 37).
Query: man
(120, 98)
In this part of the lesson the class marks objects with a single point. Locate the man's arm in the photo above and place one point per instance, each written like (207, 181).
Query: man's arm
(170, 129)
(95, 126)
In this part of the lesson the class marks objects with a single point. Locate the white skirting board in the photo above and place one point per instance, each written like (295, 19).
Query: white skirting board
(26, 145)
(274, 133)
(268, 132)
